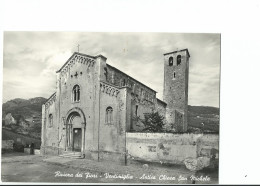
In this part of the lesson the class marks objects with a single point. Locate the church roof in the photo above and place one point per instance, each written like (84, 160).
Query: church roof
(131, 77)
(158, 100)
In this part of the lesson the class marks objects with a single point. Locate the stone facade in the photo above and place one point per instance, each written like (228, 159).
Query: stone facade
(94, 105)
(175, 91)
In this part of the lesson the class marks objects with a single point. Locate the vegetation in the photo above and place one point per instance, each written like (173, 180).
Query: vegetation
(152, 122)
(25, 116)
(203, 119)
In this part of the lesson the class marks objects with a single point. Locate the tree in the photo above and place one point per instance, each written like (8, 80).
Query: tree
(153, 122)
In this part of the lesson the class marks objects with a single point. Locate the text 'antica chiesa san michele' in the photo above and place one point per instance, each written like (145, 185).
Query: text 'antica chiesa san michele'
(94, 105)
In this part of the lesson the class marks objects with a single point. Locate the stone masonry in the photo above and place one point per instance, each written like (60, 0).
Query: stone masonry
(94, 105)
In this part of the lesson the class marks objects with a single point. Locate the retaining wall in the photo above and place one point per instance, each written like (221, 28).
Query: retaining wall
(170, 148)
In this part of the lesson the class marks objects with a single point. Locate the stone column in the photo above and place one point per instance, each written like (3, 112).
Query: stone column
(66, 136)
(83, 127)
(70, 137)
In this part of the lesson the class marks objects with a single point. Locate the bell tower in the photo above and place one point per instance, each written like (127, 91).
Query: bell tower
(175, 90)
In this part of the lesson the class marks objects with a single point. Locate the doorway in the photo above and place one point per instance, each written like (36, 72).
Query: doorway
(77, 139)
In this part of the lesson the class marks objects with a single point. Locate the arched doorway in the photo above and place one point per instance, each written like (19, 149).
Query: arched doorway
(75, 130)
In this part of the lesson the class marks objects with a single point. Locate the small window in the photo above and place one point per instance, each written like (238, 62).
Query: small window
(76, 93)
(122, 82)
(174, 75)
(136, 110)
(50, 120)
(170, 61)
(109, 115)
(105, 73)
(178, 59)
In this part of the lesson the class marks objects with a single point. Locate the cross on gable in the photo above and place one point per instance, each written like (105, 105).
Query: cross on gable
(76, 74)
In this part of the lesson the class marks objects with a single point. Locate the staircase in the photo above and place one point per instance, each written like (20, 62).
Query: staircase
(74, 155)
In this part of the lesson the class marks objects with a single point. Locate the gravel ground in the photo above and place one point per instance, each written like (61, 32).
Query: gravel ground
(17, 167)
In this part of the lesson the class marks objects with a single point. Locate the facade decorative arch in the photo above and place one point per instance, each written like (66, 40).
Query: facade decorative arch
(77, 110)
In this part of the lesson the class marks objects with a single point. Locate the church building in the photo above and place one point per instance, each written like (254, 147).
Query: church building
(95, 103)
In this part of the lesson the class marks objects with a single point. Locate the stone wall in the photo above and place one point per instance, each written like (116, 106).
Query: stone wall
(109, 128)
(120, 79)
(50, 127)
(168, 147)
(7, 144)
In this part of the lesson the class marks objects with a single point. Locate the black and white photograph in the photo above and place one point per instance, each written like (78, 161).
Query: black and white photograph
(112, 92)
(88, 107)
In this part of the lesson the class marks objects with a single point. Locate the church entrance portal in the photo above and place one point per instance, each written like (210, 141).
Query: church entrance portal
(75, 129)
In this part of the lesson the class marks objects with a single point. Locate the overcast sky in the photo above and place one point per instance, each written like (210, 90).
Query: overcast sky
(32, 58)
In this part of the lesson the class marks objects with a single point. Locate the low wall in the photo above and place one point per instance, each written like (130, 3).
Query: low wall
(20, 138)
(28, 151)
(7, 144)
(170, 148)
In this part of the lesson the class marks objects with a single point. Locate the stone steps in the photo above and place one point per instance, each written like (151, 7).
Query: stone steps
(74, 155)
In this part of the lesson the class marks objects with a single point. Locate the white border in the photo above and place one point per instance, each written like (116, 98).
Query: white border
(237, 21)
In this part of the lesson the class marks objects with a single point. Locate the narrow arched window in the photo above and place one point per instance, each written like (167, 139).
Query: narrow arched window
(50, 120)
(105, 73)
(178, 59)
(76, 93)
(109, 115)
(170, 61)
(112, 77)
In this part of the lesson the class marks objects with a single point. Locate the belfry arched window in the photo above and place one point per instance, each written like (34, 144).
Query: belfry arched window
(50, 120)
(170, 61)
(76, 93)
(109, 115)
(178, 59)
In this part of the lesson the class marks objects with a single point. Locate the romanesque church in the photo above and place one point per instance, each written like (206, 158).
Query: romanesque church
(94, 105)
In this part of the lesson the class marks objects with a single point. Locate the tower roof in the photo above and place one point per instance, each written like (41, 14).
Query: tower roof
(178, 51)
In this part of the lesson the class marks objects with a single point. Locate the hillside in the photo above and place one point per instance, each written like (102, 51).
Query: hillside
(23, 116)
(203, 118)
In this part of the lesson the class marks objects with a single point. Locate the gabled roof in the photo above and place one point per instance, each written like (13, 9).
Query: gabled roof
(178, 51)
(50, 97)
(76, 53)
(95, 57)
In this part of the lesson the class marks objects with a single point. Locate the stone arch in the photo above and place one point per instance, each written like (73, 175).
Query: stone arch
(75, 130)
(76, 110)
